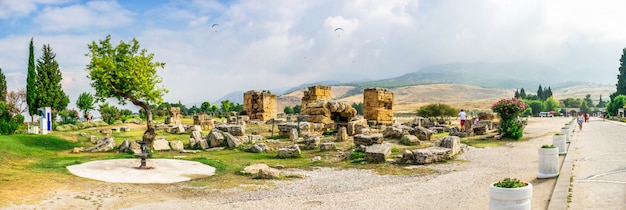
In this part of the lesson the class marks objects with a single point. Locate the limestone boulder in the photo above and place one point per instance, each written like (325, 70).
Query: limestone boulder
(216, 138)
(161, 144)
(422, 133)
(377, 153)
(289, 152)
(177, 145)
(105, 145)
(268, 173)
(328, 146)
(259, 148)
(311, 142)
(453, 143)
(342, 134)
(410, 140)
(232, 140)
(368, 139)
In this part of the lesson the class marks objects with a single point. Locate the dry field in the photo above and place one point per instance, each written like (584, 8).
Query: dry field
(410, 98)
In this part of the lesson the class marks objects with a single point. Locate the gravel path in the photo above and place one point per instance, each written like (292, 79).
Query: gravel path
(459, 184)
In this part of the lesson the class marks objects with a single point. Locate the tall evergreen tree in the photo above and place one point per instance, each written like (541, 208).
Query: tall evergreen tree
(540, 93)
(548, 93)
(621, 77)
(516, 93)
(522, 93)
(601, 103)
(49, 90)
(31, 80)
(3, 87)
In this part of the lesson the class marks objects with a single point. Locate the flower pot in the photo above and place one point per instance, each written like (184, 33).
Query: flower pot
(560, 142)
(548, 163)
(566, 133)
(510, 198)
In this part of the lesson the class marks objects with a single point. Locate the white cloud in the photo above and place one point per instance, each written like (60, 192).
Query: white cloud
(87, 17)
(20, 8)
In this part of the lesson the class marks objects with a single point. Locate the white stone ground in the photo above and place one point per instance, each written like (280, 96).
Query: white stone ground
(460, 184)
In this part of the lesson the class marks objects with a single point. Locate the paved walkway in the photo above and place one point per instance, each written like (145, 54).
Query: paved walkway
(593, 175)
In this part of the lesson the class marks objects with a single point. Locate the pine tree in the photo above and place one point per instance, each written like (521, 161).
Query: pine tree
(621, 77)
(540, 93)
(31, 79)
(516, 93)
(3, 87)
(48, 85)
(548, 93)
(601, 103)
(522, 93)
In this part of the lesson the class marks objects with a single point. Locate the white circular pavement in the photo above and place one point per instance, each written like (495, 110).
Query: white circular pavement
(125, 170)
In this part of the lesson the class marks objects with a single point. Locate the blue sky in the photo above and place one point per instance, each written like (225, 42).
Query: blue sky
(270, 44)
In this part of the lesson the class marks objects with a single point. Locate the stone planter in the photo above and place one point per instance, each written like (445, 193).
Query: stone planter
(510, 198)
(559, 141)
(548, 163)
(566, 132)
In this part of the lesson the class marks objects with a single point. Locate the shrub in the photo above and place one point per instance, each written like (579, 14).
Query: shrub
(10, 119)
(69, 116)
(547, 146)
(509, 110)
(109, 113)
(510, 183)
(357, 155)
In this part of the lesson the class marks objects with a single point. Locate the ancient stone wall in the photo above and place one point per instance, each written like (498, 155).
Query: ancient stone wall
(174, 118)
(329, 111)
(378, 104)
(315, 93)
(259, 105)
(204, 121)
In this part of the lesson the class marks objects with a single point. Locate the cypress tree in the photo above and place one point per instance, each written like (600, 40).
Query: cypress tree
(522, 93)
(31, 79)
(540, 93)
(3, 87)
(516, 93)
(621, 77)
(49, 91)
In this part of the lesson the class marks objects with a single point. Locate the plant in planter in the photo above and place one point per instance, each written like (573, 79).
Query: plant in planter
(548, 162)
(510, 193)
(509, 110)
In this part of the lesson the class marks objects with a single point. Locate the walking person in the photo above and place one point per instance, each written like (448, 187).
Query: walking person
(580, 120)
(586, 116)
(463, 116)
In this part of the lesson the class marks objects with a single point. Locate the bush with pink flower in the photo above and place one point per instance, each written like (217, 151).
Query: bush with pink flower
(10, 118)
(509, 110)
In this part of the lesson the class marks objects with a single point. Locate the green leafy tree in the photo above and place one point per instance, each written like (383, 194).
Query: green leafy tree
(621, 77)
(551, 104)
(126, 73)
(436, 110)
(85, 103)
(214, 108)
(109, 113)
(288, 110)
(298, 108)
(536, 105)
(615, 104)
(573, 102)
(205, 107)
(588, 100)
(48, 85)
(31, 80)
(584, 108)
(359, 107)
(227, 106)
(3, 87)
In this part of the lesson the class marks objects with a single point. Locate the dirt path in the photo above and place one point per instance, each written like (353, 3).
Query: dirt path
(459, 184)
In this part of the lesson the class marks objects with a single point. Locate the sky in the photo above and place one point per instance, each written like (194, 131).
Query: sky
(212, 47)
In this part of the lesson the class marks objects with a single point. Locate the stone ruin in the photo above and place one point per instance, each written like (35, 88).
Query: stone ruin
(174, 117)
(260, 105)
(205, 121)
(378, 105)
(329, 111)
(316, 93)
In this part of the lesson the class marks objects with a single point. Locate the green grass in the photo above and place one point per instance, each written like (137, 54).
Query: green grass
(482, 143)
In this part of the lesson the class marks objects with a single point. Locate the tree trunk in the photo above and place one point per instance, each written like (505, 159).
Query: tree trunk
(150, 133)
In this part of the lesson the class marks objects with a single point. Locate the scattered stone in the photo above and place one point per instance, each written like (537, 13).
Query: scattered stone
(254, 138)
(316, 158)
(426, 156)
(396, 131)
(177, 145)
(116, 129)
(410, 140)
(377, 153)
(106, 132)
(125, 128)
(327, 146)
(453, 143)
(423, 133)
(161, 144)
(342, 134)
(368, 139)
(253, 169)
(216, 138)
(77, 149)
(311, 142)
(259, 148)
(268, 173)
(232, 140)
(125, 146)
(107, 144)
(293, 135)
(289, 152)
